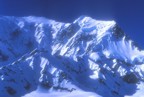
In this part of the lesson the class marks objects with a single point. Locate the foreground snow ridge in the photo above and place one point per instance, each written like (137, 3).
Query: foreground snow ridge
(88, 58)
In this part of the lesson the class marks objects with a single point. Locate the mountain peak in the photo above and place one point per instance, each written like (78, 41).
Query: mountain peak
(88, 54)
(89, 20)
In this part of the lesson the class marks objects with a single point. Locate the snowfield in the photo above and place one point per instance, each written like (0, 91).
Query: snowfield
(62, 94)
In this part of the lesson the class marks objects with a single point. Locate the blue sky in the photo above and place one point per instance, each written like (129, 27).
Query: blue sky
(129, 14)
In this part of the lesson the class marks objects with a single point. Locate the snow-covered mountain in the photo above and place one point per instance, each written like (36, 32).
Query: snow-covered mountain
(42, 55)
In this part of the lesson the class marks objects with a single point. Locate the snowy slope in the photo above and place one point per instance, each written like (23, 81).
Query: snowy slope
(86, 57)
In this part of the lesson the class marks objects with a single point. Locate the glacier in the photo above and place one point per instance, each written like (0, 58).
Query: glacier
(89, 58)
